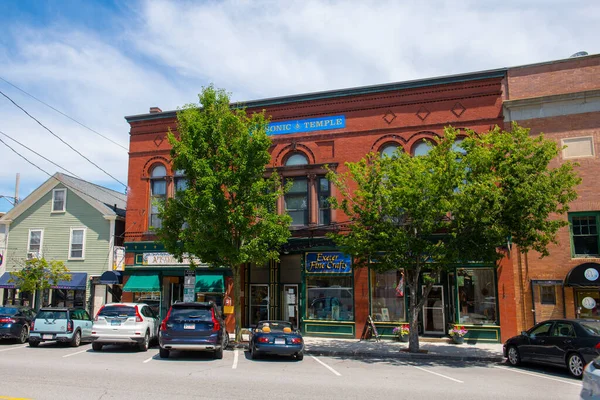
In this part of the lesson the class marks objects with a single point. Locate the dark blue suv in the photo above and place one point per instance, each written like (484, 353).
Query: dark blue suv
(193, 327)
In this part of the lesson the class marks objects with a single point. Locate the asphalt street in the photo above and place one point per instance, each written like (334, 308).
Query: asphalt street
(54, 371)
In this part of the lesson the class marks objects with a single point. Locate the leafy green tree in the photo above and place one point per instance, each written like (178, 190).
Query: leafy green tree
(227, 215)
(38, 275)
(460, 202)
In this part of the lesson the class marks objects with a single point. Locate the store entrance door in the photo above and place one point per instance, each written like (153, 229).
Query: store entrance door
(290, 304)
(259, 303)
(588, 303)
(434, 320)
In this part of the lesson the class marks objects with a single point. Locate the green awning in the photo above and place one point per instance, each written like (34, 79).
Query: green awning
(210, 283)
(142, 283)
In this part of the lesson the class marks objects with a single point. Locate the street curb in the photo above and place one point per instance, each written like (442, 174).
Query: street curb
(400, 355)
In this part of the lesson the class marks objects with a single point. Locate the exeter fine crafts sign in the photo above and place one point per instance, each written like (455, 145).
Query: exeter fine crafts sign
(306, 125)
(328, 262)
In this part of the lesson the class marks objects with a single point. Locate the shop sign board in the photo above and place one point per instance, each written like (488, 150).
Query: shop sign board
(591, 274)
(306, 125)
(119, 258)
(168, 259)
(189, 284)
(328, 262)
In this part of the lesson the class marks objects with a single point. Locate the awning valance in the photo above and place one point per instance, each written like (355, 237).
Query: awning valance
(210, 283)
(111, 278)
(142, 283)
(78, 282)
(4, 284)
(584, 275)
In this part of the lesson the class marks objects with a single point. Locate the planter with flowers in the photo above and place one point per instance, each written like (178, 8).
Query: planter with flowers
(457, 333)
(401, 332)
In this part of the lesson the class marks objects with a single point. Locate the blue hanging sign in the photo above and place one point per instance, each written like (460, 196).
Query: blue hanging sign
(306, 125)
(328, 262)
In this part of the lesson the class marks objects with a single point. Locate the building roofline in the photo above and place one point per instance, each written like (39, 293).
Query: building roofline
(337, 93)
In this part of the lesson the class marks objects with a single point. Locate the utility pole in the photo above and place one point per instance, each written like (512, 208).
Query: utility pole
(17, 188)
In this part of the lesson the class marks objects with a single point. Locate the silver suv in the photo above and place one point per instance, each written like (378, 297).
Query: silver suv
(125, 323)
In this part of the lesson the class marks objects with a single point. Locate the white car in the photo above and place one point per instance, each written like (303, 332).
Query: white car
(591, 381)
(125, 323)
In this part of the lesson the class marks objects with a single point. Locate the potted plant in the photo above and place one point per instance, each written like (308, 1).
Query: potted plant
(401, 332)
(457, 333)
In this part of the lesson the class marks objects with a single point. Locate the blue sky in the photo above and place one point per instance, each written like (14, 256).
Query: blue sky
(98, 61)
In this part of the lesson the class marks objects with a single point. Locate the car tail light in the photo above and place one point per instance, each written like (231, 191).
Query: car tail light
(69, 326)
(597, 346)
(8, 320)
(296, 340)
(263, 340)
(32, 325)
(163, 325)
(138, 316)
(216, 324)
(99, 311)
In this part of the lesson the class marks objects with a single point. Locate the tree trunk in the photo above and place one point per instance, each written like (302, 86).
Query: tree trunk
(413, 310)
(237, 303)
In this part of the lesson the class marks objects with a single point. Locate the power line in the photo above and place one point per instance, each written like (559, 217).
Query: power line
(59, 138)
(63, 114)
(52, 176)
(57, 165)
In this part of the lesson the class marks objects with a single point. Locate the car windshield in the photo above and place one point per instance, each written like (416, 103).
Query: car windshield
(49, 314)
(117, 311)
(202, 314)
(591, 327)
(8, 311)
(276, 326)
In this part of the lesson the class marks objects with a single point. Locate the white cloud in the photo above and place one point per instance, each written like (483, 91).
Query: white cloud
(160, 53)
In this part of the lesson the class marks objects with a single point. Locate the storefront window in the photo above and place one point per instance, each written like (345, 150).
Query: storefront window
(387, 296)
(330, 298)
(588, 304)
(68, 298)
(150, 298)
(477, 296)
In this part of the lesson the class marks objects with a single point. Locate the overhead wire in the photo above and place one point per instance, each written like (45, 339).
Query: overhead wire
(59, 138)
(63, 114)
(59, 166)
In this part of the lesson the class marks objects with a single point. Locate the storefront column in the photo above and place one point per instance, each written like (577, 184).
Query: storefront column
(313, 216)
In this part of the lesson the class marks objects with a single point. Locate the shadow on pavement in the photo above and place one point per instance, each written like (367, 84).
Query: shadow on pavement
(270, 358)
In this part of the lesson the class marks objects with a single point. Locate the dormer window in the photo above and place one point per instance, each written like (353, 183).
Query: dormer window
(59, 200)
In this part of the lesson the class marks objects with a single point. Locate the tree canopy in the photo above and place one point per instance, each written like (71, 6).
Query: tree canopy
(227, 214)
(38, 274)
(457, 204)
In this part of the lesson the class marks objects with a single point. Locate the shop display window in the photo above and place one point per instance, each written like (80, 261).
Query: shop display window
(150, 298)
(330, 298)
(387, 296)
(477, 296)
(588, 304)
(68, 298)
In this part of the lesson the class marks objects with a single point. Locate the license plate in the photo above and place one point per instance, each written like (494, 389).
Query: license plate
(50, 337)
(189, 326)
(279, 341)
(115, 322)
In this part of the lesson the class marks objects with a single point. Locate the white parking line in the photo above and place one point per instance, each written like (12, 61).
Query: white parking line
(72, 354)
(235, 359)
(539, 375)
(326, 366)
(435, 373)
(148, 360)
(13, 348)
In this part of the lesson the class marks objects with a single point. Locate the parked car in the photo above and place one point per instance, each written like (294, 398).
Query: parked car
(194, 327)
(564, 343)
(61, 324)
(276, 337)
(15, 322)
(590, 390)
(125, 323)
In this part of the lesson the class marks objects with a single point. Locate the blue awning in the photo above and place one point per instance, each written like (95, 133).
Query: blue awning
(111, 278)
(4, 284)
(78, 282)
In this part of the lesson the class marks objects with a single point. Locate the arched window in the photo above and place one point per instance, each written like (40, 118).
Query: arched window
(389, 150)
(422, 148)
(158, 192)
(181, 182)
(296, 159)
(456, 146)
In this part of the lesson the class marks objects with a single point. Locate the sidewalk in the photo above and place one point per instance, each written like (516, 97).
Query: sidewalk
(385, 348)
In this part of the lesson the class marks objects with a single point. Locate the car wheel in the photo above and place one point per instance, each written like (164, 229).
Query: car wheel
(23, 335)
(33, 343)
(76, 341)
(514, 358)
(219, 353)
(97, 346)
(253, 353)
(164, 353)
(225, 340)
(300, 356)
(144, 345)
(575, 364)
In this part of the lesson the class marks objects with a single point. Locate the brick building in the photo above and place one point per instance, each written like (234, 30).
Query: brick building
(562, 100)
(308, 132)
